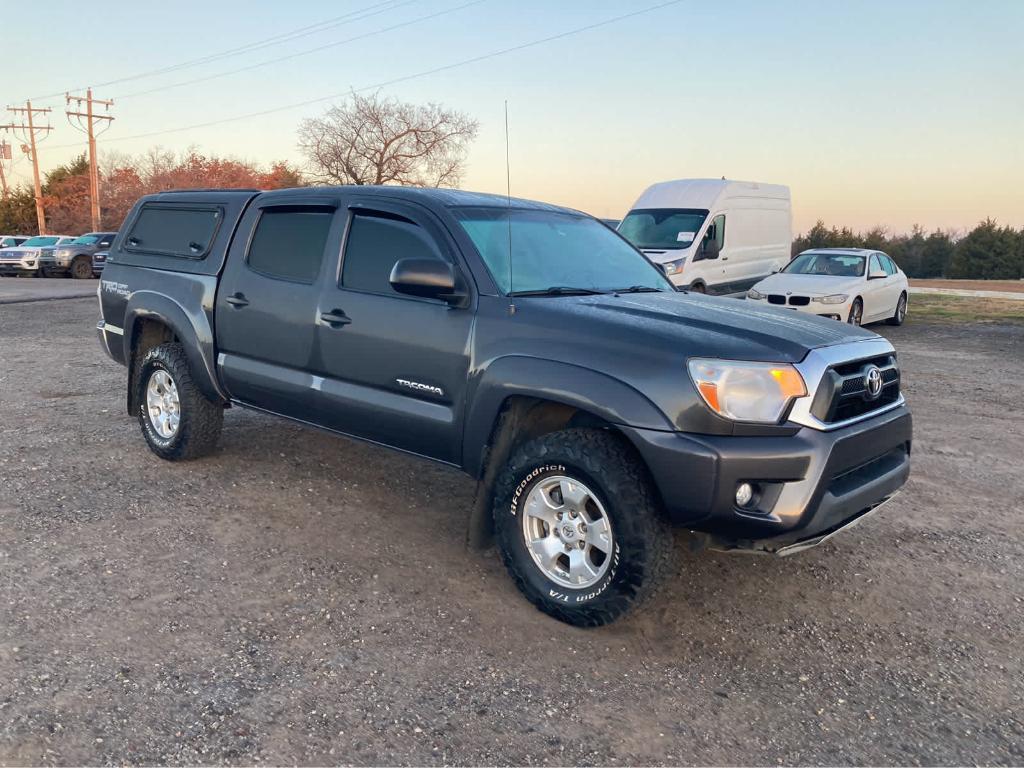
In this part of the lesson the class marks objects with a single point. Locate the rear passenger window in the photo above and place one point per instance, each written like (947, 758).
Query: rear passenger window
(375, 243)
(174, 231)
(288, 243)
(889, 265)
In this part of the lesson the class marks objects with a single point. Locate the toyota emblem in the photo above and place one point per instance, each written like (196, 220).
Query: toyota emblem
(873, 381)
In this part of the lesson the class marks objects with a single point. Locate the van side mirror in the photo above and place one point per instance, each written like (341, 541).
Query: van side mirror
(426, 278)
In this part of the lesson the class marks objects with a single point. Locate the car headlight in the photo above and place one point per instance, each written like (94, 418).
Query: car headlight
(745, 391)
(835, 298)
(755, 294)
(673, 267)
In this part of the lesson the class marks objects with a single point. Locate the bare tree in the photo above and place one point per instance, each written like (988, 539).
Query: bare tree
(375, 140)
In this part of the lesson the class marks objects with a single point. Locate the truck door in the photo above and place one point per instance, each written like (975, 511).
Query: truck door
(394, 366)
(266, 305)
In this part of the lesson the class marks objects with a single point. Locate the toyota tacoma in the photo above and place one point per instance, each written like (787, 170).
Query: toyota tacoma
(529, 345)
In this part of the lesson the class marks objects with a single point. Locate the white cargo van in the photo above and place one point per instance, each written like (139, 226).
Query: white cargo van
(713, 235)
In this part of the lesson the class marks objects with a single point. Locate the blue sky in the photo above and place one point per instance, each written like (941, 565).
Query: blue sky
(872, 112)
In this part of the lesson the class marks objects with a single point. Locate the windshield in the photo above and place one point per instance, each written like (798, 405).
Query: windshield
(86, 240)
(834, 264)
(36, 242)
(662, 228)
(551, 249)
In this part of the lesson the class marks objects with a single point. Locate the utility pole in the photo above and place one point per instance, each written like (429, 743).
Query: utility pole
(90, 117)
(29, 135)
(5, 155)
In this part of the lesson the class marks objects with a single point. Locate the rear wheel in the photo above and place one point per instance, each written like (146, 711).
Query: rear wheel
(177, 419)
(81, 268)
(579, 527)
(901, 311)
(698, 288)
(856, 312)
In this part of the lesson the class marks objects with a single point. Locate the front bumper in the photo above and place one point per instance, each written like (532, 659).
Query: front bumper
(19, 267)
(811, 484)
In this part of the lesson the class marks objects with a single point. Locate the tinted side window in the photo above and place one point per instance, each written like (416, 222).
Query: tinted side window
(174, 231)
(288, 243)
(375, 243)
(718, 225)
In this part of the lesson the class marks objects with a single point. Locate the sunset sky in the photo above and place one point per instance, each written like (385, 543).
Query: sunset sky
(890, 113)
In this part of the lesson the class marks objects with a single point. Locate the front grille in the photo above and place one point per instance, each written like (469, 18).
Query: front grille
(843, 392)
(795, 301)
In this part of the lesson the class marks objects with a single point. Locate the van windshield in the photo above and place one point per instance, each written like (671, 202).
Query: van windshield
(556, 252)
(662, 228)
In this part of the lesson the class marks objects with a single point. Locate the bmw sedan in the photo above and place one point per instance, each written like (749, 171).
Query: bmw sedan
(854, 285)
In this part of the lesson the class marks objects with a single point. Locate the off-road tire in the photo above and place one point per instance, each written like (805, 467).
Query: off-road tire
(899, 316)
(609, 466)
(201, 418)
(81, 268)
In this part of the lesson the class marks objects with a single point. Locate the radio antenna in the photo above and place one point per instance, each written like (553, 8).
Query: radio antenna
(508, 197)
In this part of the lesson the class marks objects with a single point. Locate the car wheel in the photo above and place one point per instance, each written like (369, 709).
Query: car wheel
(81, 269)
(856, 312)
(901, 311)
(579, 527)
(698, 288)
(177, 419)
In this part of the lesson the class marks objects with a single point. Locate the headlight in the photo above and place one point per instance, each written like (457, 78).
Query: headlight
(755, 295)
(835, 298)
(744, 391)
(673, 267)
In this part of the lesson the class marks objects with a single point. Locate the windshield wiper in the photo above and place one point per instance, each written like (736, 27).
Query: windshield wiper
(638, 289)
(558, 290)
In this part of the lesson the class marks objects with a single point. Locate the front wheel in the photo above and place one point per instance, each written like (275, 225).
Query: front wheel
(579, 527)
(81, 269)
(177, 419)
(901, 311)
(856, 312)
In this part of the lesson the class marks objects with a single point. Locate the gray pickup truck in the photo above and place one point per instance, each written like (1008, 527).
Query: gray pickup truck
(75, 258)
(529, 345)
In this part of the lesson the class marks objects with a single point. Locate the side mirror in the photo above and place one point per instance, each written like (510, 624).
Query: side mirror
(877, 274)
(709, 247)
(426, 278)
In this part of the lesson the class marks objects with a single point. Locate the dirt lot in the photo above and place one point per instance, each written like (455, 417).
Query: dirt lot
(303, 599)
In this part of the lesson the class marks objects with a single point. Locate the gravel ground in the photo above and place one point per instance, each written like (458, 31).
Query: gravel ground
(15, 290)
(303, 599)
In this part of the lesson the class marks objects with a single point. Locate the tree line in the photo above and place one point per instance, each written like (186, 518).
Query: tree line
(987, 252)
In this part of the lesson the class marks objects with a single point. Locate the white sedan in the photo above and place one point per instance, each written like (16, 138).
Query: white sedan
(854, 285)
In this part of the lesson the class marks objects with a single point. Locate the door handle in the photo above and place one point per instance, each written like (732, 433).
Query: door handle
(237, 300)
(335, 318)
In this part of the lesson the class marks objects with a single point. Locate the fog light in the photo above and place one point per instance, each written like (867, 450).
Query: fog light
(744, 494)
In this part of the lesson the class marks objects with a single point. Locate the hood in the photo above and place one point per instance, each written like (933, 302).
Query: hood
(663, 255)
(694, 324)
(808, 285)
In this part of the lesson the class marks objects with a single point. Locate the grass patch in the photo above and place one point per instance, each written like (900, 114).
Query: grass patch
(964, 309)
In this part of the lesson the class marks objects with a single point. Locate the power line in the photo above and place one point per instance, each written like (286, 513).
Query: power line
(298, 54)
(405, 78)
(285, 37)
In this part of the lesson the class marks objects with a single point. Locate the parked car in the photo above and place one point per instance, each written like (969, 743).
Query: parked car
(9, 241)
(712, 235)
(31, 256)
(99, 261)
(852, 284)
(524, 343)
(75, 258)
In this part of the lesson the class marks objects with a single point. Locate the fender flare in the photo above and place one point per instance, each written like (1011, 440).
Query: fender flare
(192, 329)
(604, 396)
